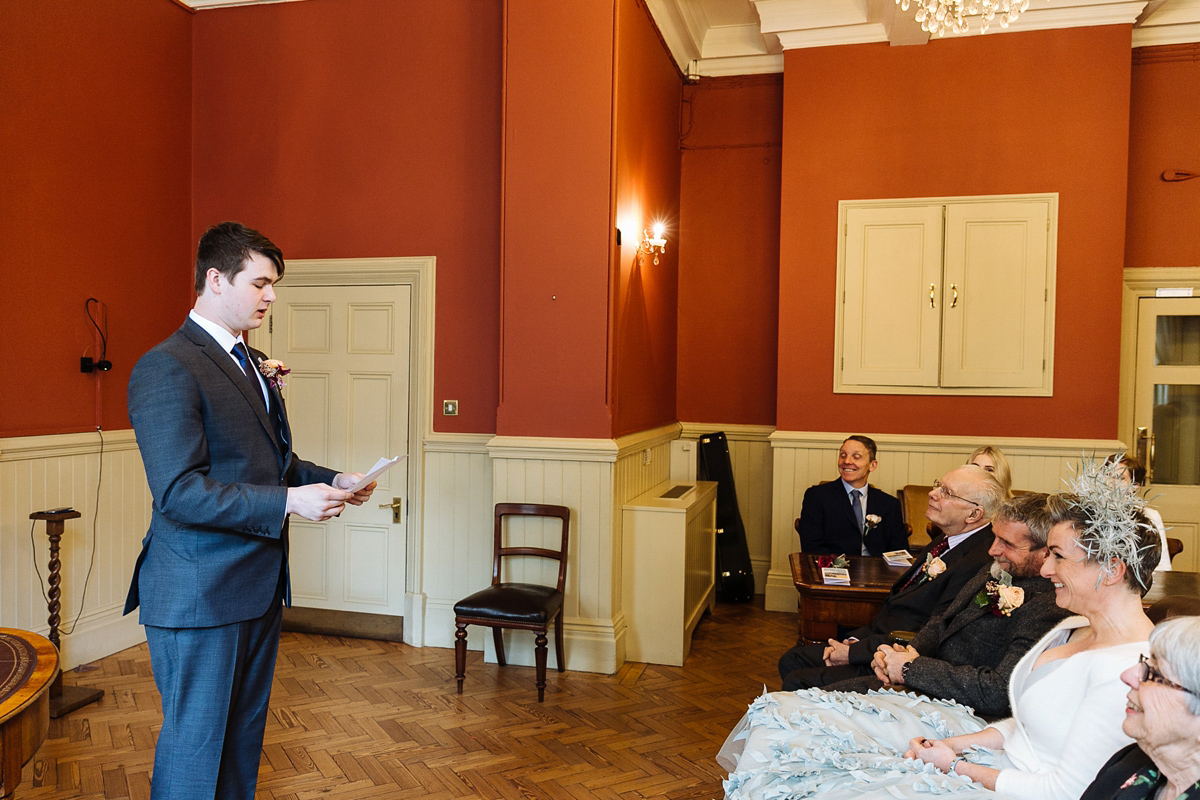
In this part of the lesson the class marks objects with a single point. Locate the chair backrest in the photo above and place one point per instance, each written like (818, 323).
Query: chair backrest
(1174, 547)
(531, 510)
(916, 499)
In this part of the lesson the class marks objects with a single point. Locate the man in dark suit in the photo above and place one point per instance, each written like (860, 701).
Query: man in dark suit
(968, 653)
(847, 516)
(961, 504)
(213, 575)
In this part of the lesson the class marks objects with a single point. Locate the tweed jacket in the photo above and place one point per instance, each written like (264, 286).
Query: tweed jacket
(968, 653)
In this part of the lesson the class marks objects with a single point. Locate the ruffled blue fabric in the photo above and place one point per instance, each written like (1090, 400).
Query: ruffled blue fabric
(846, 745)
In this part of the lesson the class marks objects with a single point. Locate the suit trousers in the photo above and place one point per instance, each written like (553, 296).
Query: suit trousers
(215, 685)
(803, 667)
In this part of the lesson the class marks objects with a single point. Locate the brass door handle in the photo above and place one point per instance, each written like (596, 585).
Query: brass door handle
(931, 290)
(395, 506)
(1145, 452)
(954, 295)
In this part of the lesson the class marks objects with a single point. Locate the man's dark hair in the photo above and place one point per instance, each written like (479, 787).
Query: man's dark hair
(1032, 510)
(865, 441)
(227, 246)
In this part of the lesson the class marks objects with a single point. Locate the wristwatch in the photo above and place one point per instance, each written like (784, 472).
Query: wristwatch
(904, 671)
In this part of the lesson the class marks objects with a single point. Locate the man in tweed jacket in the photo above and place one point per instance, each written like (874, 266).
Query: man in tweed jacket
(968, 653)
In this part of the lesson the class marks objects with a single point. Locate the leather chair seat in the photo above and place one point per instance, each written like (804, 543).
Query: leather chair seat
(523, 603)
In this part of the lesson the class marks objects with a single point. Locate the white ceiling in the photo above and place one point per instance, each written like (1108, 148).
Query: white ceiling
(740, 37)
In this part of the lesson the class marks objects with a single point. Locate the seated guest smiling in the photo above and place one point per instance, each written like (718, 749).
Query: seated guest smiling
(968, 653)
(961, 505)
(1066, 694)
(848, 516)
(1163, 716)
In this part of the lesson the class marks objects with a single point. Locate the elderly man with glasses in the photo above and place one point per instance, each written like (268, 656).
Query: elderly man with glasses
(961, 505)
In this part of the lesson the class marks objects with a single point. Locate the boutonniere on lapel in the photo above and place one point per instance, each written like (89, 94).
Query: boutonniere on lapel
(999, 596)
(273, 370)
(838, 562)
(871, 522)
(932, 567)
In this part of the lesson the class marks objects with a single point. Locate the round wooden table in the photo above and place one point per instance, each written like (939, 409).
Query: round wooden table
(28, 666)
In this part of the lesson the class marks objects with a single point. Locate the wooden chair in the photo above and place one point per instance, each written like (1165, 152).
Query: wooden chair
(914, 499)
(1174, 547)
(522, 606)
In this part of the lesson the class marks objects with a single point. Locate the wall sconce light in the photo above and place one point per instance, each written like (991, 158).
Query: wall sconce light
(653, 242)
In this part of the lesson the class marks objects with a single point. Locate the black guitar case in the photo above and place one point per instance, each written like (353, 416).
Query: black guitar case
(735, 578)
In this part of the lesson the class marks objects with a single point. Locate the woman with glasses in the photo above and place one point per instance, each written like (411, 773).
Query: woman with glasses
(1066, 692)
(1163, 715)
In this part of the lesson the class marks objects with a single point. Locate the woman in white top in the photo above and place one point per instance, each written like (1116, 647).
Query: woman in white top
(1066, 694)
(991, 459)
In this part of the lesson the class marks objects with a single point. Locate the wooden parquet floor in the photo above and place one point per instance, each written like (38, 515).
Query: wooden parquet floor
(358, 718)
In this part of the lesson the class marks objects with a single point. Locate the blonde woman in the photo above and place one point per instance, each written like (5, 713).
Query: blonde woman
(992, 459)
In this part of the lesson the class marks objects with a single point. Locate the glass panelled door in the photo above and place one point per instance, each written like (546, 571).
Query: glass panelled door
(1167, 415)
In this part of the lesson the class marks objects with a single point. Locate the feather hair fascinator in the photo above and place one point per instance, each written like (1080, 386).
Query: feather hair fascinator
(1116, 528)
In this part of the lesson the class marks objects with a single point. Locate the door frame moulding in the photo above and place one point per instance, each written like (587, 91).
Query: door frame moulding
(419, 273)
(1141, 282)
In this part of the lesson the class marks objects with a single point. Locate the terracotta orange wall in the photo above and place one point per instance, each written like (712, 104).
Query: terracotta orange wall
(558, 223)
(353, 128)
(1164, 133)
(645, 296)
(1041, 111)
(729, 250)
(94, 201)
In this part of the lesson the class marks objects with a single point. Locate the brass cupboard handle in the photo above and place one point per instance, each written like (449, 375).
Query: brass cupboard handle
(931, 290)
(953, 295)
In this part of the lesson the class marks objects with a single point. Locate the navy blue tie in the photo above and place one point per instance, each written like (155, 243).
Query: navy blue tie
(243, 359)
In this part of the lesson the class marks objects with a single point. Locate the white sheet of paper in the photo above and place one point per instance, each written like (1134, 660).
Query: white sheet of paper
(381, 466)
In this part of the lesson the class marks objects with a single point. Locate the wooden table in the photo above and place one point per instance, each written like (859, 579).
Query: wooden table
(28, 667)
(1172, 582)
(824, 607)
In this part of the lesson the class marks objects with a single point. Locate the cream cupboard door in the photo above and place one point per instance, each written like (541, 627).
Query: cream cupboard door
(892, 295)
(347, 399)
(994, 294)
(1167, 415)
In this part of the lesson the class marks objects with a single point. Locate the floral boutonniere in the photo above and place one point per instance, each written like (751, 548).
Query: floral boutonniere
(872, 521)
(273, 370)
(932, 567)
(839, 562)
(999, 595)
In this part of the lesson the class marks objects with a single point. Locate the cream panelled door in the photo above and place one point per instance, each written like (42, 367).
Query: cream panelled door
(1167, 415)
(347, 399)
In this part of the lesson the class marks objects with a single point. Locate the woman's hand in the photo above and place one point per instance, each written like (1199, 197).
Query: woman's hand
(931, 751)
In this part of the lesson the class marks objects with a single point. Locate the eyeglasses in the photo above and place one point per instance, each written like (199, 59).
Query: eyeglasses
(1148, 674)
(937, 484)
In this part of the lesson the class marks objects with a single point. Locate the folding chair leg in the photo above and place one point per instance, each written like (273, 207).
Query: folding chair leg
(539, 659)
(498, 638)
(460, 653)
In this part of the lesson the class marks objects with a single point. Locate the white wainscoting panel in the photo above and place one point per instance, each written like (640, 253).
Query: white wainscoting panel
(802, 459)
(457, 548)
(43, 472)
(751, 457)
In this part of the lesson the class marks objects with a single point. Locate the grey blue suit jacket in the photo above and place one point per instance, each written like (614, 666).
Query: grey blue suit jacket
(218, 471)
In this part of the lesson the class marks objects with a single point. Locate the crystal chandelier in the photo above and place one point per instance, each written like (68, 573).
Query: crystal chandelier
(939, 16)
